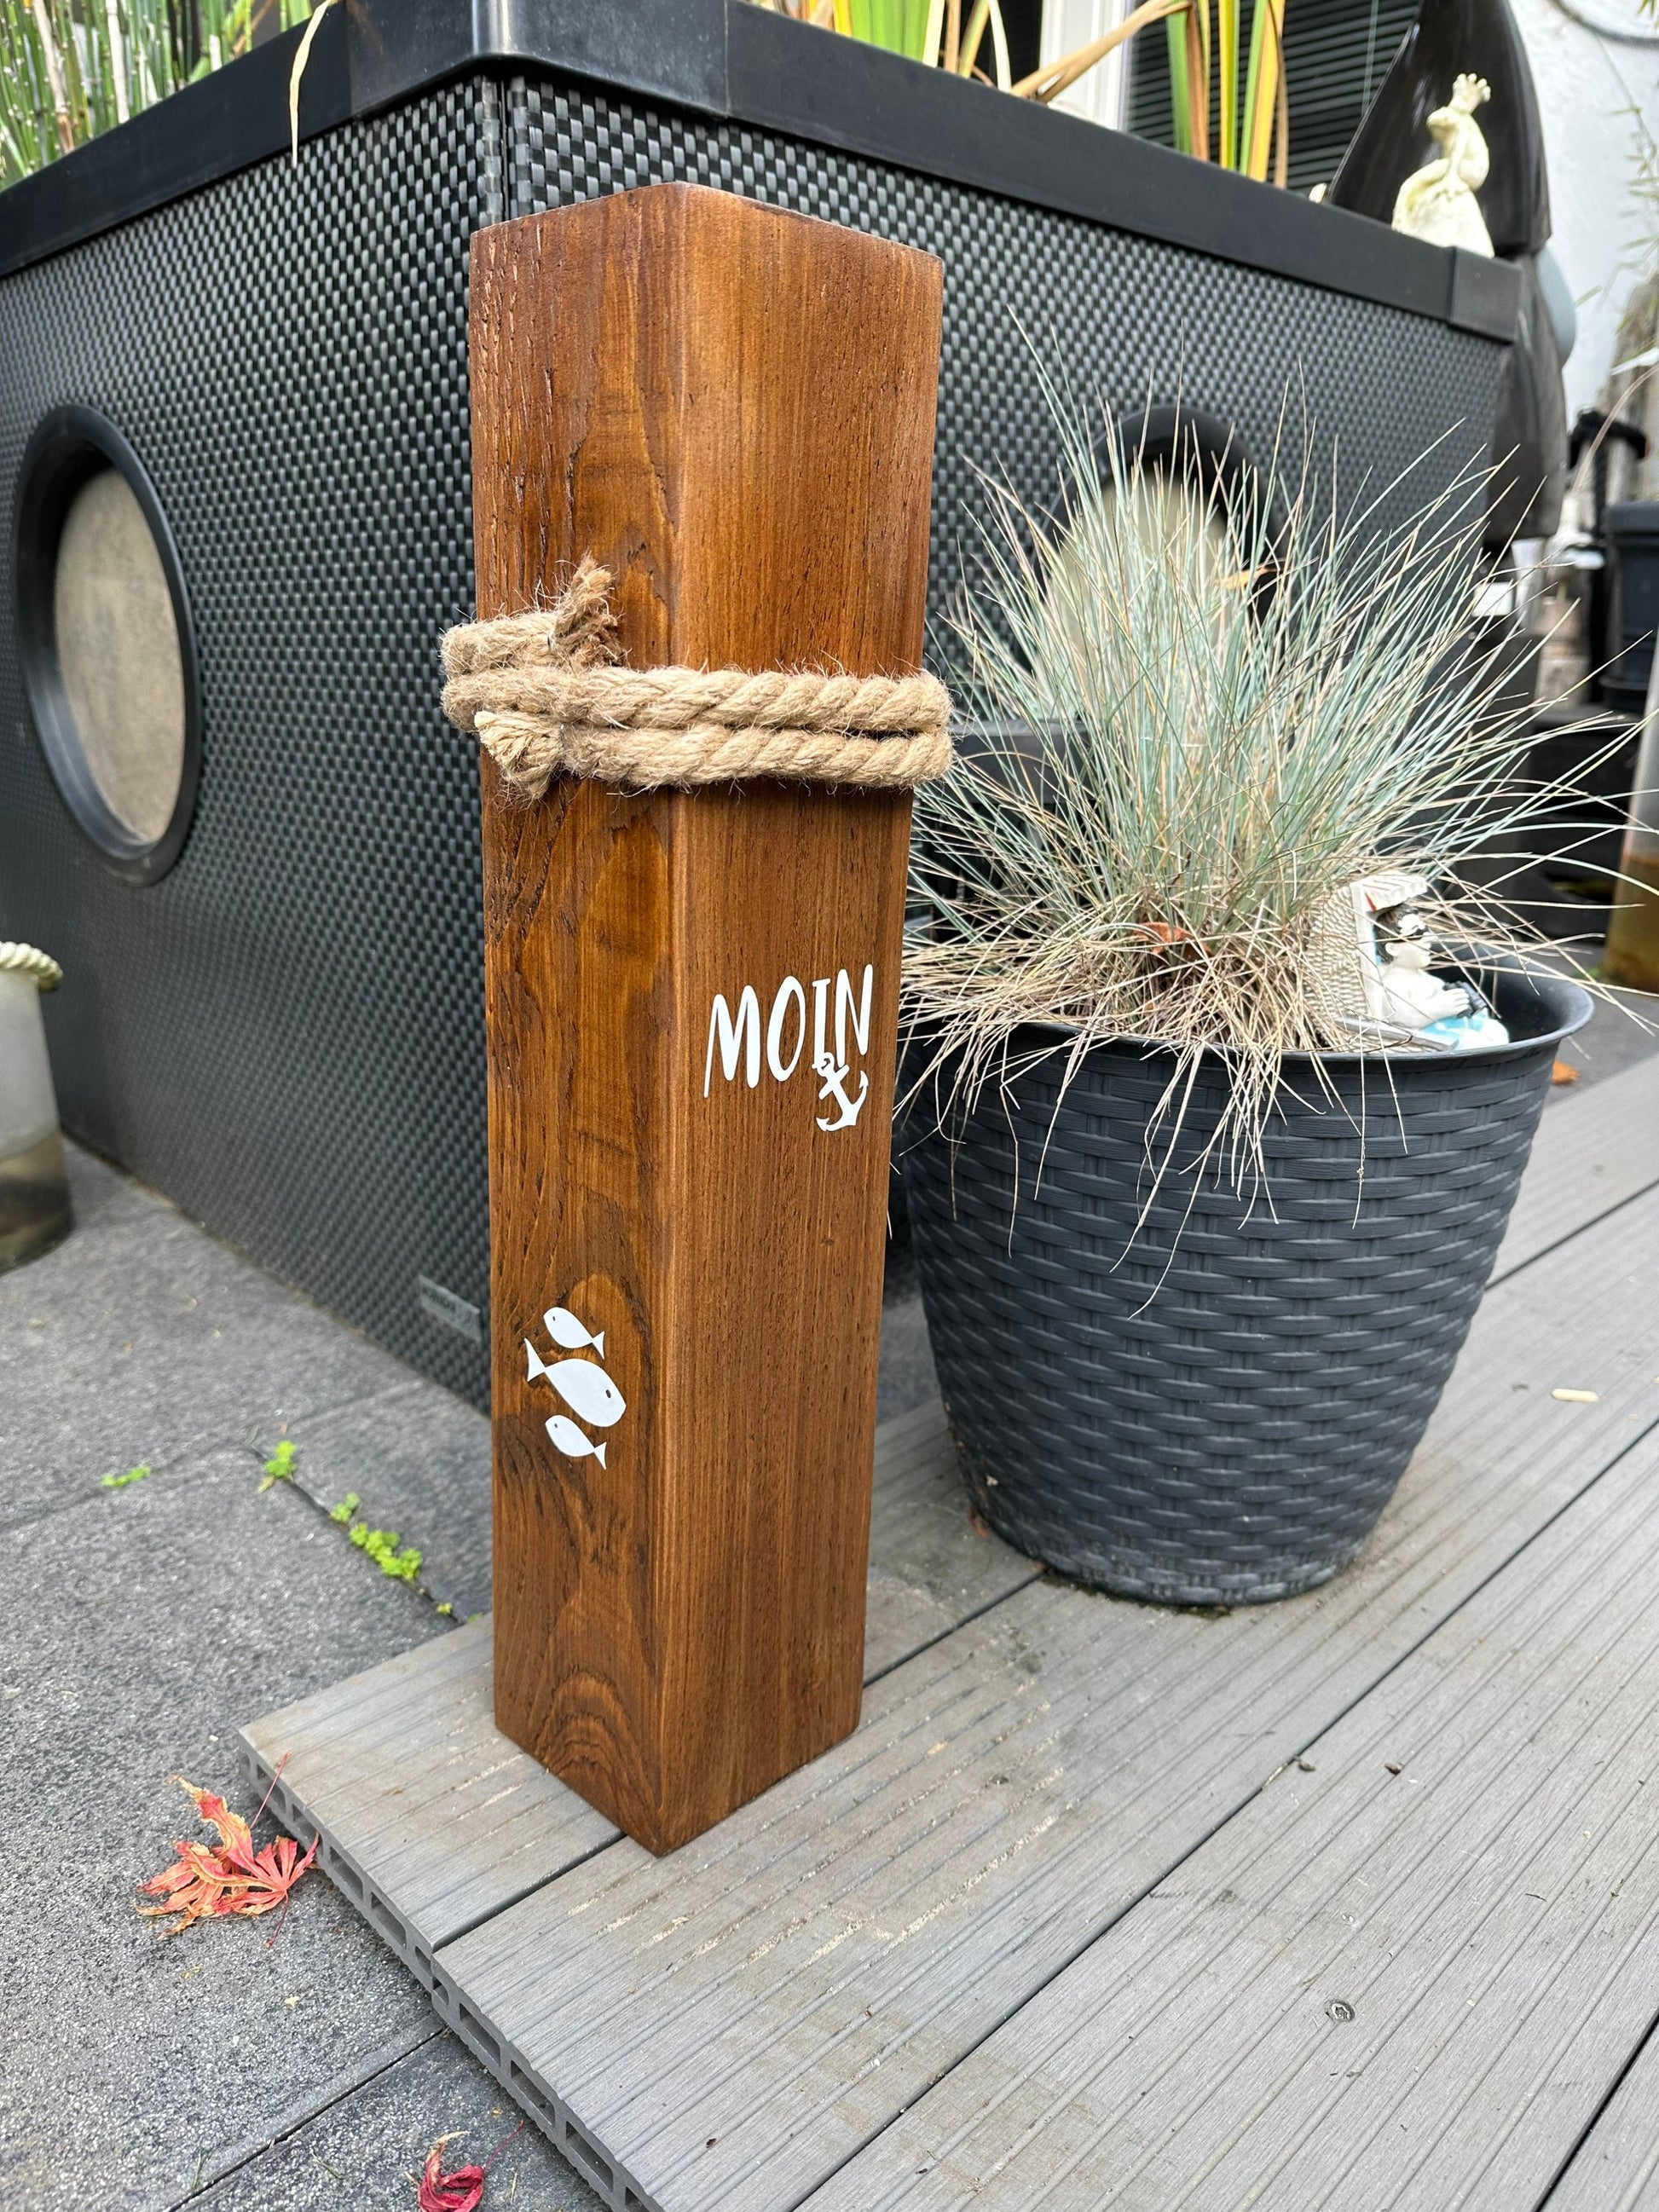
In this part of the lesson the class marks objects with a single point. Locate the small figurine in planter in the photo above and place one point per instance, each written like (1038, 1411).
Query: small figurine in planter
(1371, 952)
(1437, 202)
(1208, 1146)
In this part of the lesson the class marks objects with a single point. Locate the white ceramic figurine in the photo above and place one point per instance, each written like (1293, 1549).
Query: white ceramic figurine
(1407, 994)
(1369, 955)
(1437, 202)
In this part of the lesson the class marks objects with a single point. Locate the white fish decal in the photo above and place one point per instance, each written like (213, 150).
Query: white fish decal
(588, 1391)
(585, 1387)
(562, 1326)
(582, 1383)
(571, 1441)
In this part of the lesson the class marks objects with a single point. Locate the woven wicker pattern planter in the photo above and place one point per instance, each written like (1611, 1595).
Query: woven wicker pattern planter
(1216, 1409)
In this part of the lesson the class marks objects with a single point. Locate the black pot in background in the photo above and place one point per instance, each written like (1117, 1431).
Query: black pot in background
(1567, 742)
(1530, 434)
(1212, 1408)
(1631, 528)
(1450, 38)
(1480, 37)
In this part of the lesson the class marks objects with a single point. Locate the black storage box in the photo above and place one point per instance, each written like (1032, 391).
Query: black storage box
(284, 1029)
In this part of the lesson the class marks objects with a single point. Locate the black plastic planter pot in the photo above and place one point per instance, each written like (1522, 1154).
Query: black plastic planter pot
(1215, 1407)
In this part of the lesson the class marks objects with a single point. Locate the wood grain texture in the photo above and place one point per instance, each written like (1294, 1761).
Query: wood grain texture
(732, 407)
(799, 1982)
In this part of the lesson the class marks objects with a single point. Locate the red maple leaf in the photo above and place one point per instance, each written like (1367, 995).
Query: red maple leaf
(211, 1881)
(460, 2192)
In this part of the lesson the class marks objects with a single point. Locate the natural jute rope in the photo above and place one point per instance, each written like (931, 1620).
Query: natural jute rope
(542, 694)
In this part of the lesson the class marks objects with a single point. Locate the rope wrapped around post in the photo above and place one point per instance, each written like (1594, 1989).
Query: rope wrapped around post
(545, 694)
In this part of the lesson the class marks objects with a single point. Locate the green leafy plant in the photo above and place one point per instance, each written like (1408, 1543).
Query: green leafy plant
(381, 1545)
(958, 35)
(1238, 713)
(384, 1546)
(953, 35)
(120, 1481)
(279, 1467)
(70, 69)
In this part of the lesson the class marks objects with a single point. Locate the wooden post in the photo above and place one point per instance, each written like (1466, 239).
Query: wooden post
(732, 407)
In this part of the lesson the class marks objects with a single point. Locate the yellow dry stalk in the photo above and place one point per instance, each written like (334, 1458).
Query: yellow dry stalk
(1227, 41)
(302, 55)
(1266, 113)
(1054, 77)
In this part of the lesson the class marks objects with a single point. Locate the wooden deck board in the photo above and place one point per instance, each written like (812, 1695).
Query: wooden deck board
(434, 1821)
(1595, 1149)
(930, 1567)
(1616, 2167)
(791, 1983)
(1032, 1762)
(1488, 1914)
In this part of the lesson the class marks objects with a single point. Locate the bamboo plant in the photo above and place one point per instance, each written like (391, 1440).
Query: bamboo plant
(70, 68)
(1249, 133)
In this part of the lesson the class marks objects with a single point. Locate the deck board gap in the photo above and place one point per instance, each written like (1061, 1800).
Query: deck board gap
(1502, 1275)
(880, 1674)
(506, 1904)
(1130, 1904)
(1647, 2048)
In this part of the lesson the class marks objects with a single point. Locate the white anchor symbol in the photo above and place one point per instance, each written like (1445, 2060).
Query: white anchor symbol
(834, 1074)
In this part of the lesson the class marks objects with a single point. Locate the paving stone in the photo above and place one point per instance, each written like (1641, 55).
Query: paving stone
(140, 1339)
(418, 1460)
(143, 1626)
(363, 2151)
(103, 1193)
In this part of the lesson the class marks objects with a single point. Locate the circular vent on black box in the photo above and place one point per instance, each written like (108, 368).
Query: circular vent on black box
(105, 642)
(1196, 454)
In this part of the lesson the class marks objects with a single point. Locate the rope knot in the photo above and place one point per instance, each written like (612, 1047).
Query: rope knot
(545, 695)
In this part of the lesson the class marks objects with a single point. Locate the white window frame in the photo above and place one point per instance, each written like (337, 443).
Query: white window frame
(1102, 94)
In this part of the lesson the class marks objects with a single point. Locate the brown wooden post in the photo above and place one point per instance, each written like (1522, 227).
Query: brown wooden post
(732, 407)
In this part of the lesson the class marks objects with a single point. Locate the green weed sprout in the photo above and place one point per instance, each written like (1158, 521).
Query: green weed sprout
(279, 1467)
(381, 1545)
